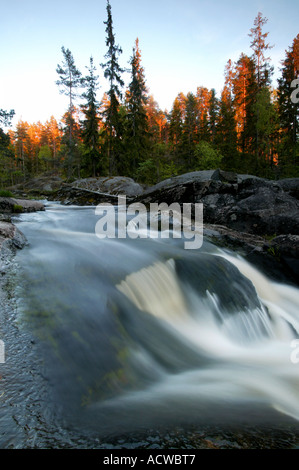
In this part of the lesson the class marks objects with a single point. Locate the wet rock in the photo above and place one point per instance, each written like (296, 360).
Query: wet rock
(286, 249)
(11, 239)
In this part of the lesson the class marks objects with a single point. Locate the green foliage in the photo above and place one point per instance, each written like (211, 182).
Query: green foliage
(113, 72)
(17, 209)
(6, 117)
(147, 172)
(90, 125)
(168, 170)
(137, 127)
(5, 193)
(206, 156)
(44, 157)
(249, 129)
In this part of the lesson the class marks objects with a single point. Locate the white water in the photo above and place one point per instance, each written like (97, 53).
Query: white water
(147, 331)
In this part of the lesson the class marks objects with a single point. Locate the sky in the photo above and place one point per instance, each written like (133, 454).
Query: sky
(184, 44)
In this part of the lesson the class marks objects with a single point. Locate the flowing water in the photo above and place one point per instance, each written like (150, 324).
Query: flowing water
(115, 336)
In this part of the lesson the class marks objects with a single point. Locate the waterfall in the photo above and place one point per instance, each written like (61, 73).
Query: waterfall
(148, 331)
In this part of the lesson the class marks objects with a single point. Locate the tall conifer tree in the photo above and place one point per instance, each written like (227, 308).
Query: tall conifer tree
(112, 72)
(70, 79)
(137, 121)
(288, 109)
(90, 125)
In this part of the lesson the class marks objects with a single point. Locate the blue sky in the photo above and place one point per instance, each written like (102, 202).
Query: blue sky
(184, 44)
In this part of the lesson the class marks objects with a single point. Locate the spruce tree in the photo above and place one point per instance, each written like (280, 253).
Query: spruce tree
(213, 115)
(90, 125)
(113, 72)
(289, 110)
(190, 130)
(226, 134)
(137, 121)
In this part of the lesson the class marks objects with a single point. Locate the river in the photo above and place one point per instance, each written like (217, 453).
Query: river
(118, 337)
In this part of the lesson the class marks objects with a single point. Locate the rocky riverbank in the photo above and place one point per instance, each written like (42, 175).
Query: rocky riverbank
(257, 217)
(11, 238)
(250, 200)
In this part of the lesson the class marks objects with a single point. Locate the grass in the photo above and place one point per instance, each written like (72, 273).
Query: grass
(17, 209)
(5, 193)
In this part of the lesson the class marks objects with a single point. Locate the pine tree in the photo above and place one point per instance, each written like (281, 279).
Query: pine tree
(245, 92)
(70, 79)
(90, 125)
(113, 72)
(6, 117)
(203, 96)
(259, 47)
(263, 72)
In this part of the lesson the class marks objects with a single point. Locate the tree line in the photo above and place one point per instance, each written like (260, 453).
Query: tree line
(251, 128)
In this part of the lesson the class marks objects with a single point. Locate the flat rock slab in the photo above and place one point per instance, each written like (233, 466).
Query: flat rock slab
(12, 205)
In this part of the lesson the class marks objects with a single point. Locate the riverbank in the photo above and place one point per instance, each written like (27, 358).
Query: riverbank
(255, 217)
(11, 238)
(271, 431)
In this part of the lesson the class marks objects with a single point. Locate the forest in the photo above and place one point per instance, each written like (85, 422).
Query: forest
(252, 127)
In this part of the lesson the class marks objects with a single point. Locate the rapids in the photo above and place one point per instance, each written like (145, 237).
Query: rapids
(120, 335)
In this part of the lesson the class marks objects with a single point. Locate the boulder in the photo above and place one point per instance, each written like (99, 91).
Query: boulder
(12, 205)
(254, 206)
(286, 249)
(11, 239)
(11, 233)
(243, 213)
(70, 195)
(40, 186)
(117, 185)
(290, 186)
(241, 202)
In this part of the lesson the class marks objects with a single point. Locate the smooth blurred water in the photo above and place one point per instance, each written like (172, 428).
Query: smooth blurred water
(130, 334)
